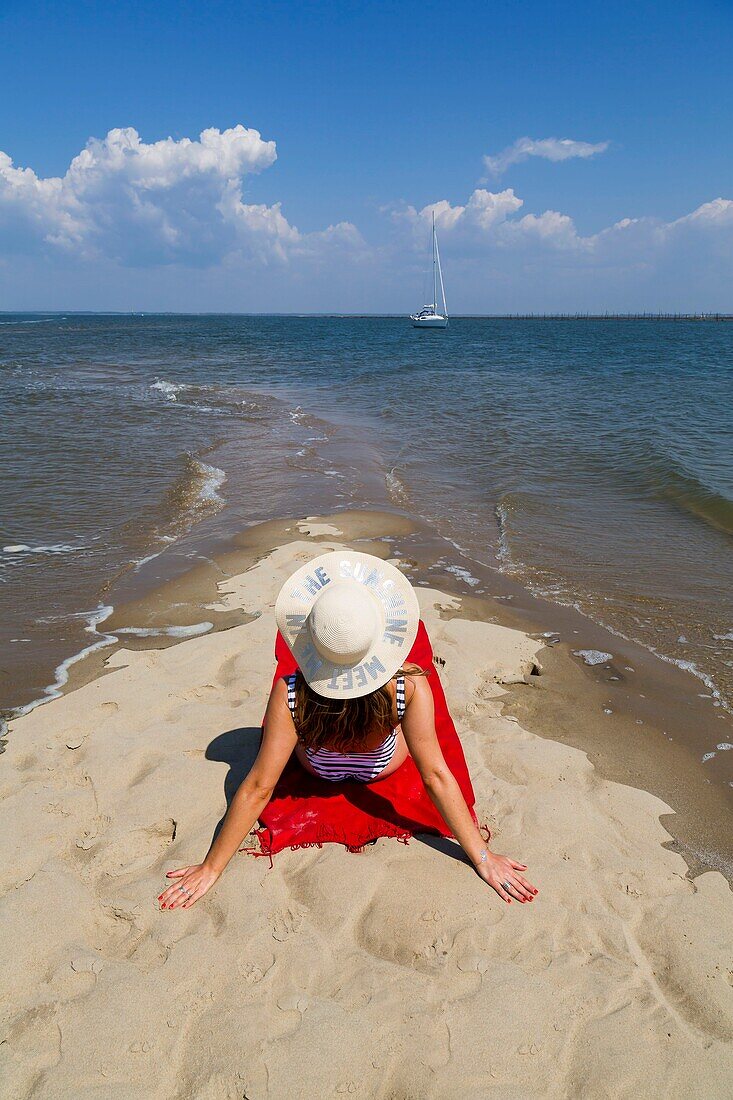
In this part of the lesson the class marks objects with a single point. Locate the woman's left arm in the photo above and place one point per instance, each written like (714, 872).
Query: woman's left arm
(418, 726)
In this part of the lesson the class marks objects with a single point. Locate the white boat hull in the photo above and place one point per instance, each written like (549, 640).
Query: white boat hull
(430, 322)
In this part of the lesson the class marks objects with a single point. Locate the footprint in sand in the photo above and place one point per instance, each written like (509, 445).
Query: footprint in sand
(148, 954)
(204, 691)
(439, 948)
(118, 931)
(231, 670)
(242, 697)
(26, 763)
(87, 963)
(251, 974)
(140, 1046)
(469, 964)
(136, 849)
(56, 808)
(287, 922)
(150, 763)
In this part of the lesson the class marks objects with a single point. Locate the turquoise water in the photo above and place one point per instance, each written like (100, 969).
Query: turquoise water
(592, 460)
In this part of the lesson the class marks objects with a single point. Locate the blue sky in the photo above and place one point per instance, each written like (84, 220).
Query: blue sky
(377, 112)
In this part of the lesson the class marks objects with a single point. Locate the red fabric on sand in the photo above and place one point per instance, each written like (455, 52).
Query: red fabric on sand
(306, 811)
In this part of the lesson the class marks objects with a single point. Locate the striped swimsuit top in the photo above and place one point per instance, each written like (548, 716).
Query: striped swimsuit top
(359, 766)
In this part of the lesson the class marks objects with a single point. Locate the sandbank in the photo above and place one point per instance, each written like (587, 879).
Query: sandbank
(395, 973)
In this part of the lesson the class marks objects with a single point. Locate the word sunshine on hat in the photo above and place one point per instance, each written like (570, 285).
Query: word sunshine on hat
(350, 620)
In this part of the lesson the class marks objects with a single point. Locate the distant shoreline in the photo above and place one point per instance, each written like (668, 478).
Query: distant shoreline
(375, 316)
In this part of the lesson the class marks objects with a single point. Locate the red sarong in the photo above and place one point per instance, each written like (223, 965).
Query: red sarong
(306, 811)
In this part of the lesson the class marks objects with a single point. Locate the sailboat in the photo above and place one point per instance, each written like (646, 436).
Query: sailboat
(428, 317)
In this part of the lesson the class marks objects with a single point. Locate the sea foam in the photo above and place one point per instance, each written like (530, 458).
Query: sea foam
(593, 656)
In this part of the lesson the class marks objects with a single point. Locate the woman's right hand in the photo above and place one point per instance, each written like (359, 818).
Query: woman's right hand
(500, 871)
(190, 884)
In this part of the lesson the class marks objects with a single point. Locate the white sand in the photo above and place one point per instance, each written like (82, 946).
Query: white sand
(393, 974)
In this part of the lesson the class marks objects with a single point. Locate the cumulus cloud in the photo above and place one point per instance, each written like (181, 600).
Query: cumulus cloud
(169, 201)
(554, 149)
(491, 221)
(513, 259)
(186, 203)
(550, 227)
(487, 219)
(716, 214)
(482, 212)
(710, 222)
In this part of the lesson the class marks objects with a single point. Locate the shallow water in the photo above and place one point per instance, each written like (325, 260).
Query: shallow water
(590, 459)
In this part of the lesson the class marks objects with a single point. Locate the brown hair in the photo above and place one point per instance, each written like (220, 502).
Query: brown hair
(343, 725)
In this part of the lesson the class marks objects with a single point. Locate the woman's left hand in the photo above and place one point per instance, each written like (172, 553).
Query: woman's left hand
(190, 885)
(500, 872)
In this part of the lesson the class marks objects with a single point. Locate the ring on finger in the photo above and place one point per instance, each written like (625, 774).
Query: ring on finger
(507, 886)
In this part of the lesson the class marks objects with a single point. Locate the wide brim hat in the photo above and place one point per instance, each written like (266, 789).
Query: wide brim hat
(350, 620)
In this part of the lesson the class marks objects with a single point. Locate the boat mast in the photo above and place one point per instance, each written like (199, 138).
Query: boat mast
(435, 275)
(440, 273)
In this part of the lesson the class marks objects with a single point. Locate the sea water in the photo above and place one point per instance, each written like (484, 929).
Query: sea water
(590, 459)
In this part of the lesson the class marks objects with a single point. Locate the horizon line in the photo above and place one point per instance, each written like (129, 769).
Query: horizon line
(580, 315)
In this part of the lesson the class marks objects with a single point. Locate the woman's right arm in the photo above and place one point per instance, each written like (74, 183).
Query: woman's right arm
(278, 741)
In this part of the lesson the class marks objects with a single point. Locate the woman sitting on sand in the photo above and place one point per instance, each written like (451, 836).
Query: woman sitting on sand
(351, 713)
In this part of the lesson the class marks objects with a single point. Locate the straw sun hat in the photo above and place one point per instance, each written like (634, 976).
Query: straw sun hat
(350, 620)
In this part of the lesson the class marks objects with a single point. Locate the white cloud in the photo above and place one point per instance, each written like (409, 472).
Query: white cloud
(551, 228)
(715, 214)
(516, 260)
(702, 231)
(489, 227)
(342, 236)
(554, 149)
(83, 240)
(483, 211)
(487, 220)
(170, 201)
